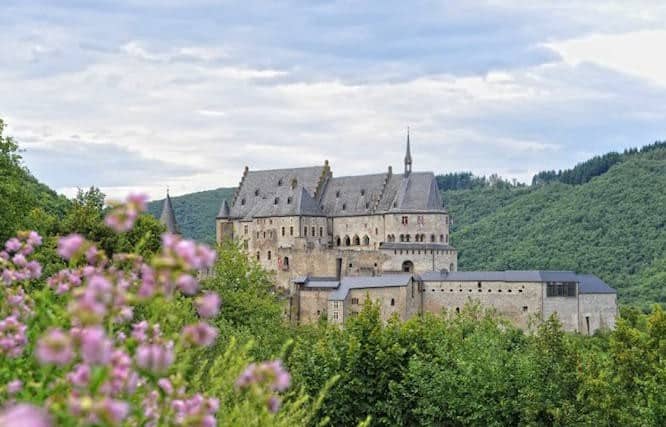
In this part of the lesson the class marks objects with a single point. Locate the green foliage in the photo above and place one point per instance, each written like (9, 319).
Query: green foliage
(26, 203)
(196, 212)
(612, 226)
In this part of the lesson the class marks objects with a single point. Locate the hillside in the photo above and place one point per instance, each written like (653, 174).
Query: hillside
(23, 198)
(196, 212)
(610, 221)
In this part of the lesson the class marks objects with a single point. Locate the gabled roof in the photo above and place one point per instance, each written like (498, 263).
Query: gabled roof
(591, 284)
(277, 192)
(168, 217)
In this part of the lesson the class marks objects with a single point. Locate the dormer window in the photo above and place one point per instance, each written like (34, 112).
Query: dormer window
(277, 200)
(288, 200)
(256, 192)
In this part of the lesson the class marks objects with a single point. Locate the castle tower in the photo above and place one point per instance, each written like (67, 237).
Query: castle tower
(408, 158)
(168, 217)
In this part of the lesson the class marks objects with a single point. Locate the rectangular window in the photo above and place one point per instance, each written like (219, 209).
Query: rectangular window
(354, 300)
(291, 231)
(305, 231)
(336, 305)
(405, 220)
(245, 229)
(335, 315)
(561, 289)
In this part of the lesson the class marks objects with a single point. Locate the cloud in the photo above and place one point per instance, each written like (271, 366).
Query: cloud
(633, 53)
(141, 94)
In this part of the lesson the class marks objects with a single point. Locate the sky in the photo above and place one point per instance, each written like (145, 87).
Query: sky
(141, 95)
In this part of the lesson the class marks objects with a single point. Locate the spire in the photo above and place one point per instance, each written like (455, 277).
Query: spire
(168, 217)
(224, 210)
(408, 157)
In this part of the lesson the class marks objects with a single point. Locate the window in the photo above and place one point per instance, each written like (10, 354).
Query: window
(451, 267)
(354, 301)
(258, 256)
(264, 235)
(288, 200)
(277, 200)
(336, 305)
(256, 192)
(337, 194)
(362, 192)
(367, 205)
(561, 289)
(337, 241)
(242, 202)
(457, 310)
(478, 285)
(407, 238)
(285, 263)
(405, 220)
(321, 231)
(441, 237)
(376, 230)
(282, 231)
(246, 244)
(432, 238)
(366, 240)
(291, 231)
(245, 229)
(524, 309)
(269, 255)
(344, 206)
(279, 182)
(305, 231)
(350, 265)
(313, 231)
(357, 241)
(347, 241)
(335, 315)
(392, 302)
(402, 237)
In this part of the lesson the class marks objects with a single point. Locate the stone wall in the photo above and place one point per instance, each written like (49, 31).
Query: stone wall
(422, 259)
(597, 311)
(565, 307)
(312, 304)
(517, 301)
(432, 225)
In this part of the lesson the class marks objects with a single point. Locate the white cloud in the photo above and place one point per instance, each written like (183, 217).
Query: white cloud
(636, 53)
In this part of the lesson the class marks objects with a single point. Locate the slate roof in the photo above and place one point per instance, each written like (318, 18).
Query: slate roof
(168, 217)
(277, 192)
(342, 286)
(588, 283)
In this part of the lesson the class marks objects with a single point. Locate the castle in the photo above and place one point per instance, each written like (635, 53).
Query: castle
(333, 241)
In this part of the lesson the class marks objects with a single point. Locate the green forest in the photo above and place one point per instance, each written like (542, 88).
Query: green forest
(605, 216)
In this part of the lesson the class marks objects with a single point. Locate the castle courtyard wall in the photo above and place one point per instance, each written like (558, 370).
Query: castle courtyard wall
(599, 310)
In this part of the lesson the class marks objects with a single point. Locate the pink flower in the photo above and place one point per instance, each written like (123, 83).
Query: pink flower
(95, 346)
(111, 411)
(14, 387)
(165, 385)
(273, 404)
(70, 245)
(13, 245)
(19, 260)
(80, 376)
(55, 347)
(24, 415)
(271, 374)
(187, 284)
(34, 239)
(155, 358)
(12, 336)
(201, 334)
(208, 305)
(35, 269)
(139, 201)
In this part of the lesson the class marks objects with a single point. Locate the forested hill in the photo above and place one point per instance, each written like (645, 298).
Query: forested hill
(24, 201)
(606, 216)
(196, 212)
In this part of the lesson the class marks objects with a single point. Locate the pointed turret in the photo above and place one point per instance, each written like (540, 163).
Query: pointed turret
(224, 210)
(168, 217)
(408, 158)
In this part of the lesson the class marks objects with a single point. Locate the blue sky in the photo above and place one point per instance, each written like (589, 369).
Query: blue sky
(142, 94)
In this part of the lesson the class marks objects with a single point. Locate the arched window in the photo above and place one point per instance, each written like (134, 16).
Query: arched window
(347, 241)
(402, 237)
(285, 263)
(423, 237)
(408, 267)
(357, 240)
(366, 240)
(392, 302)
(337, 241)
(407, 238)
